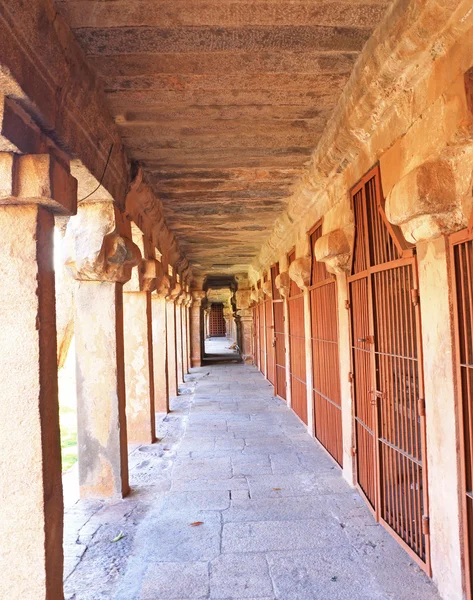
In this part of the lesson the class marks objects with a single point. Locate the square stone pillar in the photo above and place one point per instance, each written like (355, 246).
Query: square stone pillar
(178, 314)
(32, 187)
(101, 259)
(31, 503)
(160, 361)
(196, 328)
(139, 373)
(171, 346)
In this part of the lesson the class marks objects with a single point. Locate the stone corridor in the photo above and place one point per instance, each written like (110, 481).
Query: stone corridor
(235, 501)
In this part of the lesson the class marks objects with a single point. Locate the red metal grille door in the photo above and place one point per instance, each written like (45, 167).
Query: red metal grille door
(280, 348)
(268, 308)
(462, 260)
(387, 370)
(261, 339)
(297, 348)
(255, 336)
(325, 358)
(217, 321)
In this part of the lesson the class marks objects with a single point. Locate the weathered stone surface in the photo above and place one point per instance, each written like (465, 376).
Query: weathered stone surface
(215, 137)
(428, 201)
(31, 500)
(283, 284)
(299, 271)
(94, 248)
(335, 249)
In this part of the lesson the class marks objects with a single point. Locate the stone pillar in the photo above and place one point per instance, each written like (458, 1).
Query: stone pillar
(283, 283)
(179, 368)
(299, 271)
(139, 371)
(171, 340)
(101, 259)
(245, 319)
(188, 310)
(31, 521)
(440, 414)
(160, 361)
(196, 328)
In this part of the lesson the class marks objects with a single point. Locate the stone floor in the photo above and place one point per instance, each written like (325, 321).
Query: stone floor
(236, 502)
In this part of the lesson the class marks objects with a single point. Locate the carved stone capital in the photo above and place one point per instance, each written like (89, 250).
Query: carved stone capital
(37, 179)
(335, 249)
(243, 299)
(95, 250)
(299, 271)
(283, 284)
(163, 285)
(254, 296)
(432, 199)
(197, 297)
(267, 289)
(174, 292)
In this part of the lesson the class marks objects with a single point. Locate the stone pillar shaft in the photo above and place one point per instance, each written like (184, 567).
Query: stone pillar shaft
(160, 362)
(139, 375)
(100, 372)
(171, 347)
(308, 362)
(196, 329)
(31, 521)
(179, 369)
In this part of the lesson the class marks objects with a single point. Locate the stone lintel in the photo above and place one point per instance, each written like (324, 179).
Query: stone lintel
(39, 179)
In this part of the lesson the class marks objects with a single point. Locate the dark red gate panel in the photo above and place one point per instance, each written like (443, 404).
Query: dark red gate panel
(297, 349)
(217, 321)
(261, 338)
(387, 373)
(268, 308)
(325, 357)
(279, 339)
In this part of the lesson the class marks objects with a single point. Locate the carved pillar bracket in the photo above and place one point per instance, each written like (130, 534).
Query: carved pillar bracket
(94, 247)
(335, 249)
(283, 284)
(299, 271)
(267, 289)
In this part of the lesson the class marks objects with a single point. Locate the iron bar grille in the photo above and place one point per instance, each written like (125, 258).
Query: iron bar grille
(388, 381)
(216, 321)
(297, 348)
(261, 344)
(325, 356)
(462, 255)
(268, 307)
(279, 341)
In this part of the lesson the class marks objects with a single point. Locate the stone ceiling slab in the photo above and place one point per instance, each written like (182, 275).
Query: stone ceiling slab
(222, 102)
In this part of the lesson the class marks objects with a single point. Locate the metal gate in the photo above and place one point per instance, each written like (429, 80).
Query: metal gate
(387, 373)
(216, 321)
(255, 336)
(261, 338)
(461, 249)
(279, 342)
(270, 364)
(325, 358)
(297, 348)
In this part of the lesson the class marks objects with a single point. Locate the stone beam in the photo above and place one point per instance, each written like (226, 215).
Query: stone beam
(45, 70)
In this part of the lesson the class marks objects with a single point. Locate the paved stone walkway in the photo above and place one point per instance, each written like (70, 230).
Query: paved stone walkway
(235, 502)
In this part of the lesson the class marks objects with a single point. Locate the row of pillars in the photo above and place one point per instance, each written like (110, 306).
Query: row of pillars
(133, 348)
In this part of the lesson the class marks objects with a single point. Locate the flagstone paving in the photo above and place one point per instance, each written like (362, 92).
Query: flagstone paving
(236, 501)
